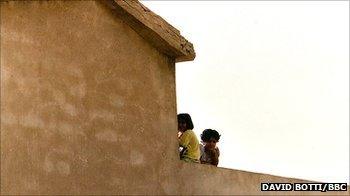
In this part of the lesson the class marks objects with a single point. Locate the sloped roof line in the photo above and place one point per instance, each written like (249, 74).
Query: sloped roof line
(154, 29)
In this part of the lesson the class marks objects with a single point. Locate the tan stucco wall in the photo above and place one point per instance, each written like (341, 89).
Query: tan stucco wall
(89, 107)
(221, 181)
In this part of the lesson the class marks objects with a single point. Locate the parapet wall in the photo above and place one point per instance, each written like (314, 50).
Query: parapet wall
(196, 179)
(89, 107)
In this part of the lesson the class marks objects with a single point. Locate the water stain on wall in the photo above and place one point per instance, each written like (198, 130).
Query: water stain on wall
(32, 120)
(111, 136)
(78, 90)
(117, 101)
(136, 158)
(70, 109)
(63, 168)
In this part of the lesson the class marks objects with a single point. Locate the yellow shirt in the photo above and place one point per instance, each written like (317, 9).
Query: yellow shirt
(189, 141)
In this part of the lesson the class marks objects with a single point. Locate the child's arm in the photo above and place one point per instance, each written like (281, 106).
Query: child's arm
(182, 151)
(184, 140)
(214, 156)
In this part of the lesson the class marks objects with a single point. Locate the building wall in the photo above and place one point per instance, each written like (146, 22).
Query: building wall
(89, 107)
(196, 179)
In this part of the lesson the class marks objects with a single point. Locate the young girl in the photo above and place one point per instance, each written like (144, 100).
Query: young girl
(187, 139)
(209, 152)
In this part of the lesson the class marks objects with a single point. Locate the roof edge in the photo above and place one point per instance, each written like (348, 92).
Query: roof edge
(154, 29)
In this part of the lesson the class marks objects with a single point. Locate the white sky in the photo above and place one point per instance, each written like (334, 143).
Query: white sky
(273, 78)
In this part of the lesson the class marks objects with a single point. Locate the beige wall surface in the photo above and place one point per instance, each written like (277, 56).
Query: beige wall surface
(199, 179)
(89, 107)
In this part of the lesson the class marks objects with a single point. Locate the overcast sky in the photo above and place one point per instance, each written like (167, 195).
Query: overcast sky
(272, 78)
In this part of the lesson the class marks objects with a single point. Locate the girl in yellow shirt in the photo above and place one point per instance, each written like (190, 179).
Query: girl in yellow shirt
(188, 140)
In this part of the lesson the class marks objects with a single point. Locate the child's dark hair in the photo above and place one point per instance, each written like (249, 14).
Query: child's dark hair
(210, 133)
(184, 117)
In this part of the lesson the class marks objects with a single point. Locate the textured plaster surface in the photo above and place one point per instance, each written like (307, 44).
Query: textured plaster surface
(88, 106)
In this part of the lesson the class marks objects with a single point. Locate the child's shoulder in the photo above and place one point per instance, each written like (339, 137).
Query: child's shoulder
(217, 150)
(188, 132)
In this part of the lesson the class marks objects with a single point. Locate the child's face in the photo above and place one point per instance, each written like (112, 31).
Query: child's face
(211, 143)
(181, 126)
